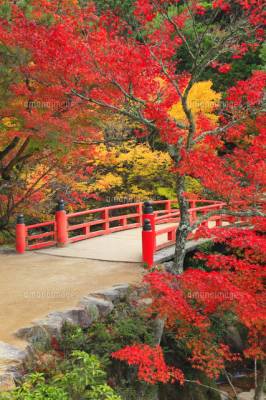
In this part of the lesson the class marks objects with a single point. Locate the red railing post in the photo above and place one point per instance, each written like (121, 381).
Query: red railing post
(105, 216)
(171, 236)
(139, 211)
(148, 240)
(149, 214)
(218, 222)
(61, 224)
(205, 224)
(193, 213)
(168, 206)
(20, 235)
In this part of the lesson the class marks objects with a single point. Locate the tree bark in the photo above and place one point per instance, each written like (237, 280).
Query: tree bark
(259, 391)
(183, 229)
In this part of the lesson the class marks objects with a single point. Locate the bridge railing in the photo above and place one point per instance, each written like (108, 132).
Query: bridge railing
(72, 227)
(195, 212)
(35, 236)
(152, 238)
(103, 221)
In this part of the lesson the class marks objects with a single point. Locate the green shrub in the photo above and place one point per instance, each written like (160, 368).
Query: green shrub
(124, 326)
(81, 378)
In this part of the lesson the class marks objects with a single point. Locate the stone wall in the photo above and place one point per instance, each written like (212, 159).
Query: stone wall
(90, 308)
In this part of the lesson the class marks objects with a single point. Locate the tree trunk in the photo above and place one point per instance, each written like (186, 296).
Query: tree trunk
(183, 229)
(259, 391)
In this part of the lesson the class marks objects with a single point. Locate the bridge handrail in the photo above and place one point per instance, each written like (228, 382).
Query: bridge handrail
(61, 230)
(40, 225)
(101, 209)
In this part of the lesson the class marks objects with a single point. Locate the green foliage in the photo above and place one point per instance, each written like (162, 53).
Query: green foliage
(35, 388)
(81, 377)
(5, 10)
(192, 262)
(263, 55)
(241, 70)
(124, 326)
(166, 192)
(122, 8)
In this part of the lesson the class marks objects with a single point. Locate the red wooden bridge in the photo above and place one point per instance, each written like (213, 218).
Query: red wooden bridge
(162, 218)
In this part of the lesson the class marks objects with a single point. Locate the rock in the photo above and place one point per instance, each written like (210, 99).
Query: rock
(100, 307)
(115, 294)
(168, 265)
(144, 302)
(7, 250)
(77, 316)
(90, 308)
(42, 330)
(7, 382)
(12, 360)
(109, 294)
(246, 395)
(52, 325)
(123, 289)
(10, 353)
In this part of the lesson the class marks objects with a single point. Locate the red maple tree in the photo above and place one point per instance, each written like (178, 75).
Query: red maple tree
(232, 285)
(91, 62)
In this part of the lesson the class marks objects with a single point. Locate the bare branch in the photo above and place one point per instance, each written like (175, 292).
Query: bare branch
(180, 34)
(16, 158)
(9, 147)
(216, 131)
(116, 109)
(130, 96)
(106, 141)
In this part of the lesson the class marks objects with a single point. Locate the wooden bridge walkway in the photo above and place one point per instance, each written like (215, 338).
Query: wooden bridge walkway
(114, 233)
(125, 246)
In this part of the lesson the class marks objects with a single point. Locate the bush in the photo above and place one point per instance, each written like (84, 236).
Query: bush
(124, 326)
(81, 377)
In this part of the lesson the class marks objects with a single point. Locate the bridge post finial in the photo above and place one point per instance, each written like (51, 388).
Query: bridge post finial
(148, 214)
(147, 208)
(148, 241)
(60, 205)
(61, 224)
(147, 225)
(20, 235)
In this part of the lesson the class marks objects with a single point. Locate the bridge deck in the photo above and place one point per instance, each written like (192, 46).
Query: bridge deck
(125, 246)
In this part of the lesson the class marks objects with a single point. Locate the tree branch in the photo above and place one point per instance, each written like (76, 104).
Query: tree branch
(216, 131)
(223, 211)
(15, 159)
(138, 118)
(9, 147)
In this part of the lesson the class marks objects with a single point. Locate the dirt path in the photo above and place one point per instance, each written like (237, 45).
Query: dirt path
(32, 285)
